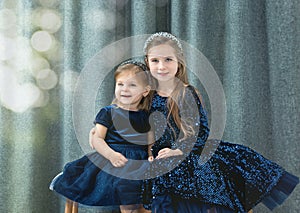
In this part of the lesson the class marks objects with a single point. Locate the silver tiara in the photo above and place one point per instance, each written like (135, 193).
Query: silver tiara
(165, 35)
(136, 63)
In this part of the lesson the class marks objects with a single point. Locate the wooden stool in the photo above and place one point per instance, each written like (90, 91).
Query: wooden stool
(71, 207)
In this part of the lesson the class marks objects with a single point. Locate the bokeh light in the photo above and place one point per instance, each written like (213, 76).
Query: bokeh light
(42, 41)
(50, 21)
(7, 48)
(49, 3)
(27, 56)
(42, 100)
(8, 19)
(54, 54)
(13, 95)
(7, 77)
(47, 19)
(38, 63)
(46, 79)
(21, 58)
(19, 97)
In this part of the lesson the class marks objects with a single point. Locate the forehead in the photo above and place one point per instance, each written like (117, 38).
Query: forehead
(126, 74)
(162, 50)
(130, 75)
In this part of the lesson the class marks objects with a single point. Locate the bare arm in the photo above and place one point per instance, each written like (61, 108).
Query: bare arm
(151, 141)
(167, 152)
(98, 143)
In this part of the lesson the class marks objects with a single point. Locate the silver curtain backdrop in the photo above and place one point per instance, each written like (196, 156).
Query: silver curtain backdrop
(253, 45)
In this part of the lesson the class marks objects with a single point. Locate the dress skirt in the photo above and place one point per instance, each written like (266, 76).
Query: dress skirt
(172, 204)
(93, 181)
(232, 178)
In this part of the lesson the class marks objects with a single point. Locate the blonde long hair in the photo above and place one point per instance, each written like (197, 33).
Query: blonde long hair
(178, 94)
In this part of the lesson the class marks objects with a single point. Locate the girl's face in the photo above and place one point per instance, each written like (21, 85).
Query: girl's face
(129, 90)
(162, 62)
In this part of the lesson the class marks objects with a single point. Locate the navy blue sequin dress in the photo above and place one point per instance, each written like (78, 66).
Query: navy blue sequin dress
(212, 175)
(92, 180)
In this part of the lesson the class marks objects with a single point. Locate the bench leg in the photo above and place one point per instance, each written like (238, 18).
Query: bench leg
(71, 207)
(75, 207)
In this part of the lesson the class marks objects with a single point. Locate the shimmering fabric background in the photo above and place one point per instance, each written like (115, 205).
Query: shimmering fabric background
(254, 46)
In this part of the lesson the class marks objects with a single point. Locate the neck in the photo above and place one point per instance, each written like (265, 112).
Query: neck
(166, 88)
(131, 107)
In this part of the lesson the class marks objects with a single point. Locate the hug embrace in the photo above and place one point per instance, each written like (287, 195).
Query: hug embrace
(149, 148)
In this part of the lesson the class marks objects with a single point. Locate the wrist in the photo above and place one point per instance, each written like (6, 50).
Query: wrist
(110, 154)
(177, 152)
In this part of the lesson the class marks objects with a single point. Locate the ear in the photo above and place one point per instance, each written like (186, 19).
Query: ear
(147, 90)
(146, 61)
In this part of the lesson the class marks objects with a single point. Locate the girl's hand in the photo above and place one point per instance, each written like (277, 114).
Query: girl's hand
(167, 152)
(150, 159)
(91, 135)
(117, 159)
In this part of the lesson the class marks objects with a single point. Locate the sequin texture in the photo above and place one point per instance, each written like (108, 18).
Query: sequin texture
(232, 175)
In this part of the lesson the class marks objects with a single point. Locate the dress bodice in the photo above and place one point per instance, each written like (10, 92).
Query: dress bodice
(167, 134)
(124, 126)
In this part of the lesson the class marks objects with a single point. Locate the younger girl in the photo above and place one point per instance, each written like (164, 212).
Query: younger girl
(112, 176)
(234, 178)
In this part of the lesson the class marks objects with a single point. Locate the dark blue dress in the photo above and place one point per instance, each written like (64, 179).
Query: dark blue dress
(92, 180)
(212, 175)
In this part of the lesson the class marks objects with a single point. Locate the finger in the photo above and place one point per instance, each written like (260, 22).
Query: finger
(164, 155)
(160, 152)
(164, 150)
(123, 159)
(160, 156)
(118, 164)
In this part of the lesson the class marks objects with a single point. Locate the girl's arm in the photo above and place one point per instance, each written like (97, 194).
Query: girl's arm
(151, 141)
(98, 143)
(91, 137)
(167, 152)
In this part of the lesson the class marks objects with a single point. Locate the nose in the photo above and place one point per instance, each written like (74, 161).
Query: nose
(161, 65)
(124, 87)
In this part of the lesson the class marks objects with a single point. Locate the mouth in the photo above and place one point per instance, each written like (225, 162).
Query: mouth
(163, 74)
(126, 96)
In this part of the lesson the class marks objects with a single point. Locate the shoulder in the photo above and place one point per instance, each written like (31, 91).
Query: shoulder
(106, 111)
(191, 89)
(194, 91)
(107, 108)
(104, 115)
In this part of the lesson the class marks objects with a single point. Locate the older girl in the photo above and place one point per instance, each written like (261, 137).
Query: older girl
(234, 178)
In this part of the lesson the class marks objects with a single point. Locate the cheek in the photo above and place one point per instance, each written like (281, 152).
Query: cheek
(152, 71)
(175, 68)
(152, 66)
(116, 91)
